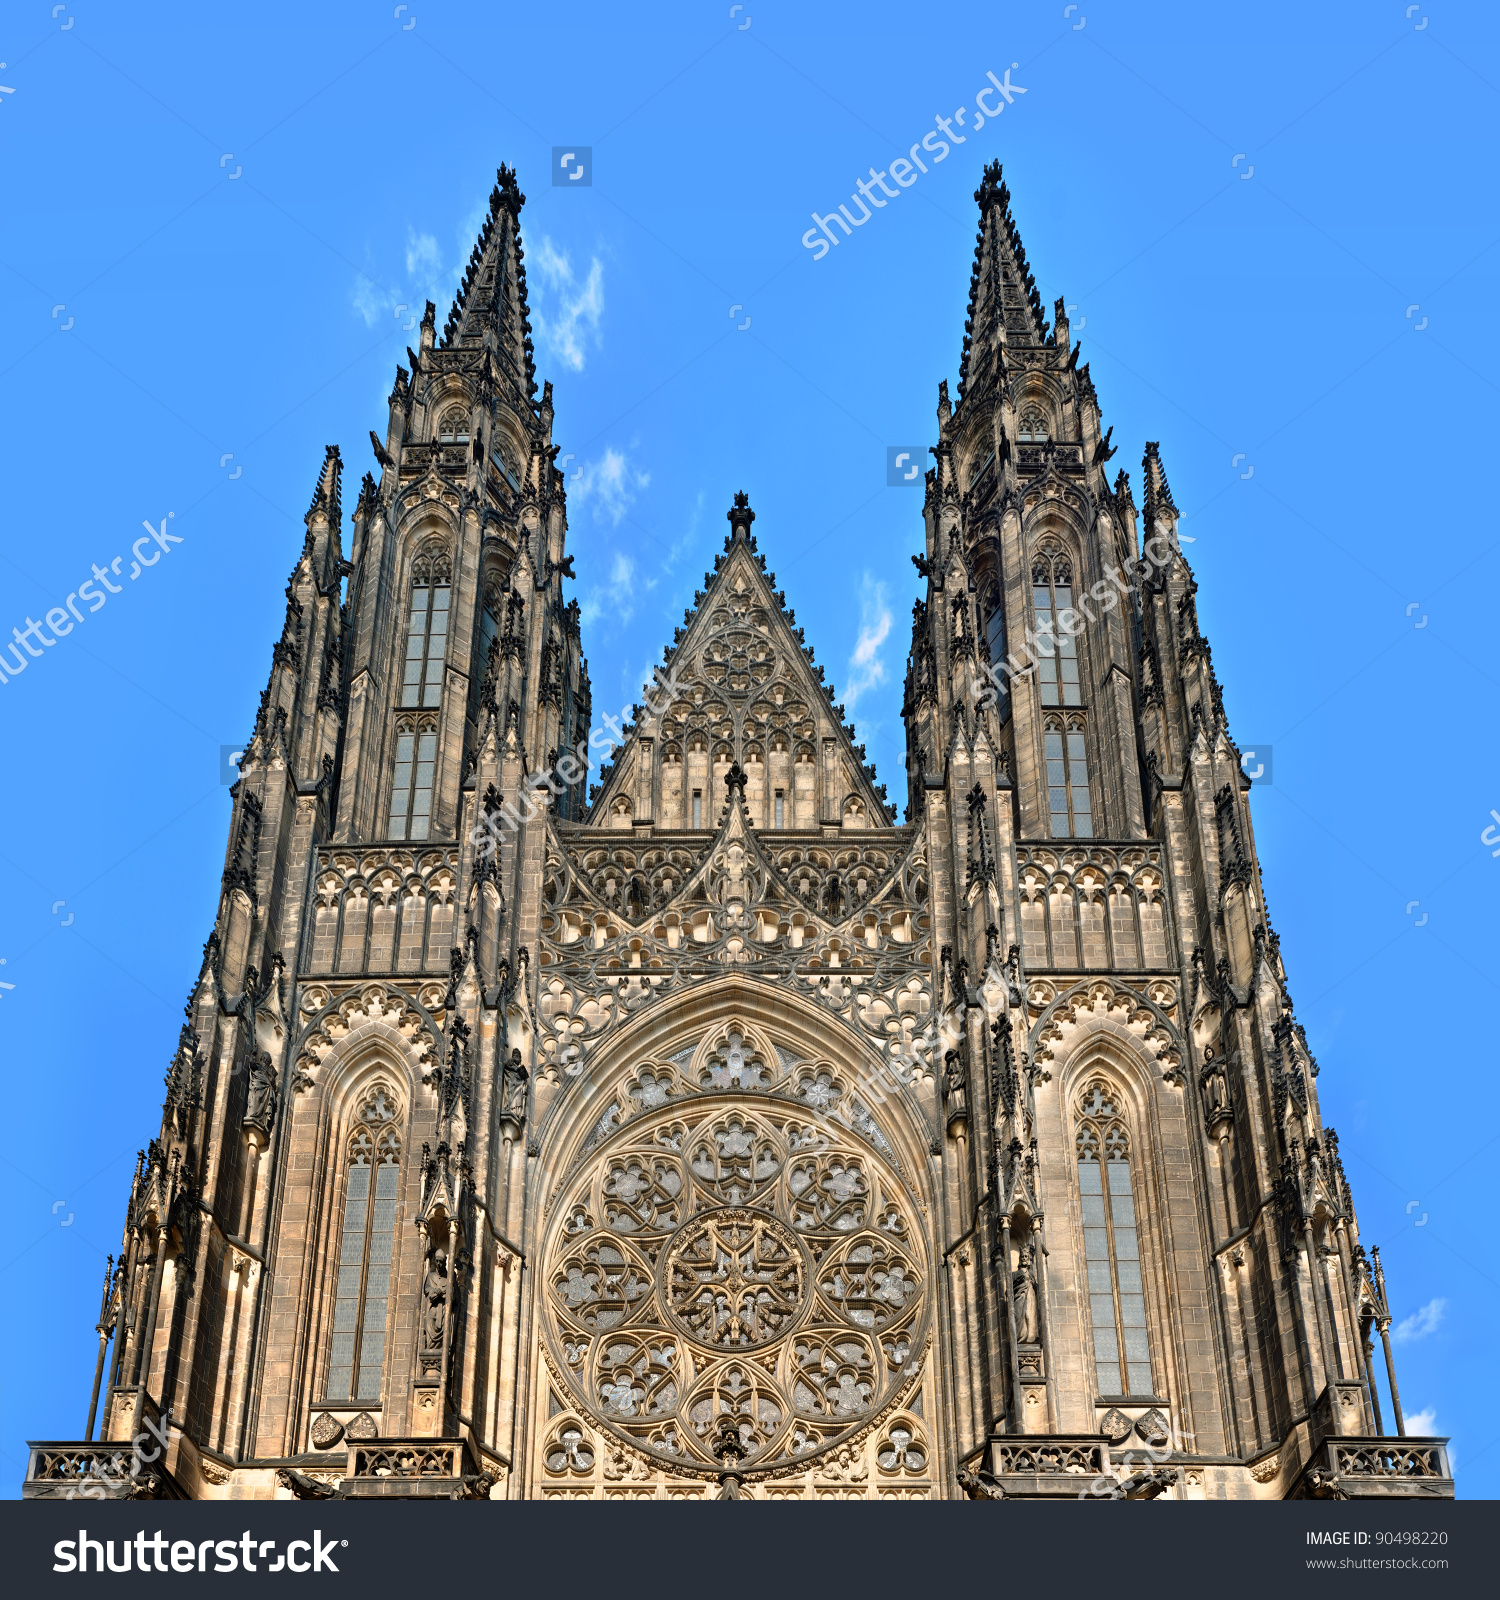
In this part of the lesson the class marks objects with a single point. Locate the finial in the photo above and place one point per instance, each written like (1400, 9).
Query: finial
(740, 516)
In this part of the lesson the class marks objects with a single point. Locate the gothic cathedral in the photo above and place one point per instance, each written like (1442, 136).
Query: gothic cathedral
(704, 1131)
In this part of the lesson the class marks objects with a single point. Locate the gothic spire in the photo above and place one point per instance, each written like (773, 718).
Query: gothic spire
(490, 311)
(326, 493)
(1158, 494)
(323, 546)
(1004, 305)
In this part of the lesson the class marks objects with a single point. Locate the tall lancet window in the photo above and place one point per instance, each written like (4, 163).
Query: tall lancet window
(1057, 646)
(1070, 807)
(412, 782)
(1111, 1243)
(365, 1249)
(427, 631)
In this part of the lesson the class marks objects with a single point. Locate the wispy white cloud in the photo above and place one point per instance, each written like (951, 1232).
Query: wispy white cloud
(1421, 1322)
(371, 300)
(608, 486)
(1421, 1423)
(424, 267)
(618, 596)
(866, 667)
(567, 311)
(376, 298)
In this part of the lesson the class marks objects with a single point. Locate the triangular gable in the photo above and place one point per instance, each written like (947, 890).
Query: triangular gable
(740, 690)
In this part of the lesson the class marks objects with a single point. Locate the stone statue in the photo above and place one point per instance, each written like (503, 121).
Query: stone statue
(1024, 1300)
(953, 1081)
(1215, 1087)
(435, 1293)
(260, 1097)
(513, 1088)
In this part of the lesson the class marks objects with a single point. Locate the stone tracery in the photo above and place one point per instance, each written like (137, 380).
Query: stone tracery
(733, 1264)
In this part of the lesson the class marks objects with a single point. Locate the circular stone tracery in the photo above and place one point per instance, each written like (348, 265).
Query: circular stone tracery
(735, 1279)
(744, 1262)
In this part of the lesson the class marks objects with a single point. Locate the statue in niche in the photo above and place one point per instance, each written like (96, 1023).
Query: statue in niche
(513, 1088)
(955, 1089)
(260, 1097)
(435, 1293)
(1024, 1300)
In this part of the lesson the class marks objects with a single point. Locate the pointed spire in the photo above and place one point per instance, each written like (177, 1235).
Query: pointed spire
(325, 500)
(1004, 305)
(1158, 495)
(490, 308)
(369, 492)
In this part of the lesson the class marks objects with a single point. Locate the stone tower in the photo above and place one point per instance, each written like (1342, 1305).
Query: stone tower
(710, 1134)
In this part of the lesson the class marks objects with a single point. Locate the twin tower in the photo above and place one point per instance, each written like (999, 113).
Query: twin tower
(687, 1126)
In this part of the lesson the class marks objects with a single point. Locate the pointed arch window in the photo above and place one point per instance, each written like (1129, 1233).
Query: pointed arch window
(1033, 429)
(510, 462)
(1070, 805)
(427, 630)
(366, 1245)
(454, 428)
(412, 783)
(1056, 645)
(1111, 1242)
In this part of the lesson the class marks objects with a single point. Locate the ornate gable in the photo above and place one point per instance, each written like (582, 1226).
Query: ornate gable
(740, 691)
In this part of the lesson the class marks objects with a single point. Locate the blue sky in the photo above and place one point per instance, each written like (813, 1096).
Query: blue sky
(1277, 226)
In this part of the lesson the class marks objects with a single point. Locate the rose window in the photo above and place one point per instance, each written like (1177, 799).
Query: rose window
(736, 1267)
(735, 1279)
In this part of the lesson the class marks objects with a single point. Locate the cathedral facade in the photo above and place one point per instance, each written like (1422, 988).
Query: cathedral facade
(647, 1113)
